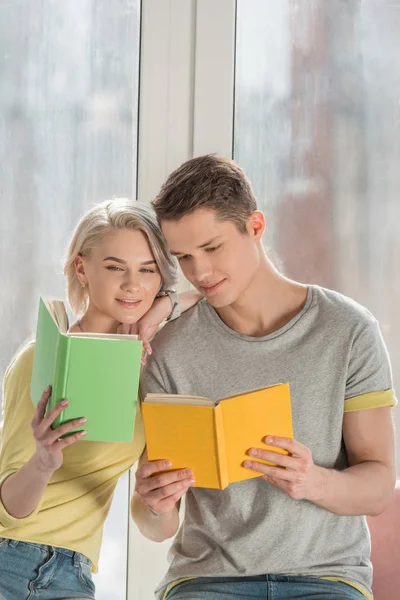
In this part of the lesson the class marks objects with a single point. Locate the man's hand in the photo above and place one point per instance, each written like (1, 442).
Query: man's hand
(160, 491)
(295, 473)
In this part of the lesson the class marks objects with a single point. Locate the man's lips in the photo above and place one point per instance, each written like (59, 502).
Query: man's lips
(210, 289)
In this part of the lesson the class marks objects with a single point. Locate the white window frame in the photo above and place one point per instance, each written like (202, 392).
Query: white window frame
(186, 109)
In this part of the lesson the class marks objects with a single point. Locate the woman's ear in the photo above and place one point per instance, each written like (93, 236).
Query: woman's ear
(80, 269)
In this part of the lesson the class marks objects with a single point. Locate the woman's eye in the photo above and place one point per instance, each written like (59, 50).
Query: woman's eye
(184, 257)
(146, 271)
(114, 268)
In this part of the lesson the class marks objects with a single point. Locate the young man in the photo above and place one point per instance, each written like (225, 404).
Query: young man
(298, 531)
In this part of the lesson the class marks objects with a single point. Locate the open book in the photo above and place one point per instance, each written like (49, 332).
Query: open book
(97, 373)
(213, 437)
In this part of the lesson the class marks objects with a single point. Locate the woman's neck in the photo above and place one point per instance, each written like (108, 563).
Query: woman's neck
(94, 322)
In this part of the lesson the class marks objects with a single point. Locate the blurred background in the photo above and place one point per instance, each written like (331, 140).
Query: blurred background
(304, 94)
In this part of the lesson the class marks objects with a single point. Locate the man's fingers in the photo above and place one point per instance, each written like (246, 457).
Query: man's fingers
(274, 472)
(283, 460)
(292, 446)
(165, 492)
(166, 502)
(148, 469)
(145, 485)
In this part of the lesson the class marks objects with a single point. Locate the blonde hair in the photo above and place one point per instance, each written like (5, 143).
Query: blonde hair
(119, 213)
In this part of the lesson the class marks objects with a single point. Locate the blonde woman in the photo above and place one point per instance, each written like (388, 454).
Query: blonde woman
(55, 493)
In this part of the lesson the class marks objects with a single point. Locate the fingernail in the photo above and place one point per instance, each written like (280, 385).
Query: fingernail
(253, 452)
(82, 433)
(269, 439)
(48, 388)
(247, 464)
(168, 464)
(192, 482)
(64, 402)
(149, 351)
(83, 420)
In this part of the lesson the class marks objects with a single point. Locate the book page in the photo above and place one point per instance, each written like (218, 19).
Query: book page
(178, 399)
(104, 336)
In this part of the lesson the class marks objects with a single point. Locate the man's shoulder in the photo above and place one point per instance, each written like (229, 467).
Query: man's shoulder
(342, 310)
(190, 325)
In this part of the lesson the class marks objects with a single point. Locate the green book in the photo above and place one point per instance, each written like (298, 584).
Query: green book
(97, 373)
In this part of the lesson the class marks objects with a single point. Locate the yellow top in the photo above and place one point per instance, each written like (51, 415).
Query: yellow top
(76, 502)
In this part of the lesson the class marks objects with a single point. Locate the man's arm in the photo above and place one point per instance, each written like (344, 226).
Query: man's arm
(364, 488)
(155, 502)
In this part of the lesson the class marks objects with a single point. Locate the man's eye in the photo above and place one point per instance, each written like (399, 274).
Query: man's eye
(213, 248)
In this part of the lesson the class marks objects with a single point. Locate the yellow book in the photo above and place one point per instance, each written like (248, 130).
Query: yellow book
(213, 437)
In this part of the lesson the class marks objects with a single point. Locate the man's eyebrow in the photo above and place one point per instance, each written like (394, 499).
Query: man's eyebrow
(175, 253)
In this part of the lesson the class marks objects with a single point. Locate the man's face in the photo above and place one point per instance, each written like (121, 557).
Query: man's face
(214, 255)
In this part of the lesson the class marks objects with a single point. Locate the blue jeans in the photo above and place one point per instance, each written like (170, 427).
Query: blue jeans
(263, 587)
(37, 572)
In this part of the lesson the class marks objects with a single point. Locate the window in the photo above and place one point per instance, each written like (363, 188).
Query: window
(68, 130)
(317, 130)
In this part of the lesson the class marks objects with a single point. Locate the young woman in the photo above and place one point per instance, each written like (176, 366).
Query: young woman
(55, 492)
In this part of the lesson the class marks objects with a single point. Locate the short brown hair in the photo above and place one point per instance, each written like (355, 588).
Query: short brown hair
(208, 181)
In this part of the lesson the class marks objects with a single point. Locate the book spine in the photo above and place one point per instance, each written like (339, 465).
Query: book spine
(60, 376)
(222, 463)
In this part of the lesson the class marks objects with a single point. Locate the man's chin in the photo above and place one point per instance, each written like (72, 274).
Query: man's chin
(221, 301)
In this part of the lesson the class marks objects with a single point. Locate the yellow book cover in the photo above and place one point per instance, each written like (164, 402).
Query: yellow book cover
(213, 437)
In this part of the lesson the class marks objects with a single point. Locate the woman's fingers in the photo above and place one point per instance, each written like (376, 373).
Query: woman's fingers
(70, 439)
(40, 429)
(41, 407)
(55, 434)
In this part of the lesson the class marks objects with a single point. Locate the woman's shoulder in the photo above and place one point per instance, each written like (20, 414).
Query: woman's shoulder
(22, 363)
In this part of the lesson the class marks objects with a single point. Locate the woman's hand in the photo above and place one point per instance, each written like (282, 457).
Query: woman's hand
(149, 323)
(49, 444)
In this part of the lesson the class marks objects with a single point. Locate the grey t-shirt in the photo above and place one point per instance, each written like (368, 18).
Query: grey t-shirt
(330, 351)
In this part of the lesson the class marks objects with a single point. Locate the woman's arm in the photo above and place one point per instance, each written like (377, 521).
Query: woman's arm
(160, 311)
(27, 461)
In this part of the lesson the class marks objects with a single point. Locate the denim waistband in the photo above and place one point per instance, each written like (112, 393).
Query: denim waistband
(76, 556)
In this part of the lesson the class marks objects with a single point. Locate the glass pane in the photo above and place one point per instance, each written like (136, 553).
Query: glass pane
(68, 129)
(317, 130)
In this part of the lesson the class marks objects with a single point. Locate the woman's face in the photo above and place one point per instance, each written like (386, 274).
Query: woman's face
(121, 275)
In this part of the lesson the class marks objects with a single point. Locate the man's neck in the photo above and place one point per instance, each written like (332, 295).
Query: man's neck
(268, 304)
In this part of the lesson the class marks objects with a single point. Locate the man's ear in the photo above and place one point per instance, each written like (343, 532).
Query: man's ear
(256, 224)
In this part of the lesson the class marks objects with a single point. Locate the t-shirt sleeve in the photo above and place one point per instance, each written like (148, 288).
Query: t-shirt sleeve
(369, 379)
(17, 443)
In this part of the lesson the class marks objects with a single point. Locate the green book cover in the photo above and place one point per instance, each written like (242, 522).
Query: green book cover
(98, 374)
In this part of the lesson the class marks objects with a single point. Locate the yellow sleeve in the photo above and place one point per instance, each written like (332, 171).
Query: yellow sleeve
(17, 443)
(370, 400)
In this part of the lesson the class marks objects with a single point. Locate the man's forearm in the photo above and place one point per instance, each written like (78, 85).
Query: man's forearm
(154, 526)
(363, 489)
